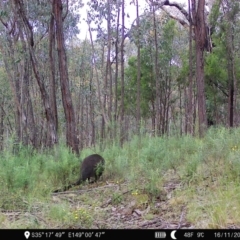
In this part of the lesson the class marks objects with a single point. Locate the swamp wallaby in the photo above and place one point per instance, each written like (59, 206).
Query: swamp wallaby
(92, 166)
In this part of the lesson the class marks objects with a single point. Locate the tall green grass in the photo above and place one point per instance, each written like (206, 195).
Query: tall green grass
(208, 170)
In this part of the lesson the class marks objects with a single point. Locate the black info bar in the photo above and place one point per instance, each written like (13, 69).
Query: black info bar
(119, 233)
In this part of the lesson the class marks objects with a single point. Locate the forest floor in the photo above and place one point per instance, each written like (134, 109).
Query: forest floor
(122, 208)
(113, 205)
(109, 205)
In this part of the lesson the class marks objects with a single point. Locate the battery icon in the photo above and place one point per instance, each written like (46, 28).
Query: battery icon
(160, 234)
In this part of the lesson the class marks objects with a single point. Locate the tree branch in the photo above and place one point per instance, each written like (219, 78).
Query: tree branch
(65, 15)
(172, 4)
(182, 22)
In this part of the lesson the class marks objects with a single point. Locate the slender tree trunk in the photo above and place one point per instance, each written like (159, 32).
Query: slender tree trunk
(2, 116)
(230, 66)
(81, 121)
(116, 76)
(79, 107)
(230, 92)
(71, 133)
(157, 86)
(52, 60)
(190, 79)
(108, 67)
(180, 109)
(104, 94)
(138, 98)
(92, 109)
(186, 110)
(168, 97)
(122, 132)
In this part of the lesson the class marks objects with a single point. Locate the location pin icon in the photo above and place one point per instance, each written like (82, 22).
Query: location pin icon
(27, 234)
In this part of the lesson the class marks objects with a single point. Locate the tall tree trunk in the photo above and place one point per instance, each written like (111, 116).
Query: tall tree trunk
(138, 98)
(122, 132)
(92, 108)
(190, 80)
(157, 86)
(53, 97)
(29, 125)
(71, 133)
(230, 63)
(116, 75)
(108, 67)
(200, 35)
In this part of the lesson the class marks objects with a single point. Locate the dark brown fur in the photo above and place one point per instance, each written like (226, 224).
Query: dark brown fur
(91, 167)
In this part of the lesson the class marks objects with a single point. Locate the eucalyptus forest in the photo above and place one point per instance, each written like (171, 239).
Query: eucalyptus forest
(158, 98)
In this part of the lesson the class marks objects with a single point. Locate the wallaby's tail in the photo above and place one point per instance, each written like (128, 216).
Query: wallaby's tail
(65, 188)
